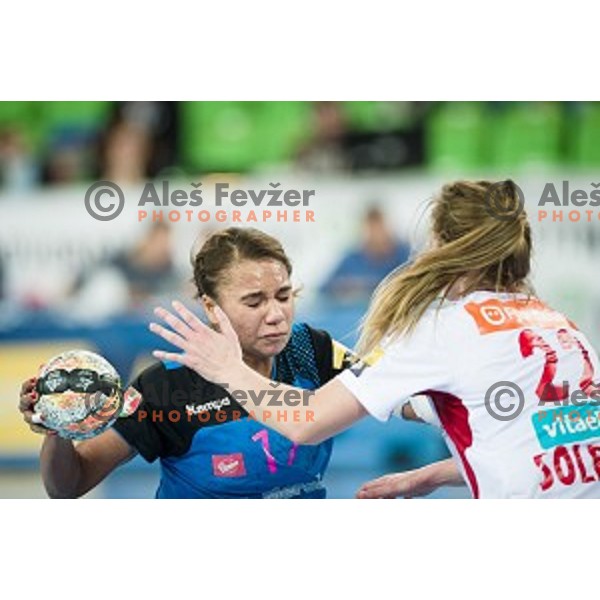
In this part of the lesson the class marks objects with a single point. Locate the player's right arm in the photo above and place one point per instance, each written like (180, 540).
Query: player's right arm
(69, 470)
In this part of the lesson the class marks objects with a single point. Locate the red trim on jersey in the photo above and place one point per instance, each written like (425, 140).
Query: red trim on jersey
(454, 417)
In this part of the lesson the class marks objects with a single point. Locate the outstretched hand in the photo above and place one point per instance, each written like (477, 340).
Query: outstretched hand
(410, 484)
(213, 355)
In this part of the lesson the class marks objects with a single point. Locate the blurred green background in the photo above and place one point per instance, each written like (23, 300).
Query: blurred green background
(75, 141)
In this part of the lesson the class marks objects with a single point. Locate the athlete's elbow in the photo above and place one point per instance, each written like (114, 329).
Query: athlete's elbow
(57, 493)
(304, 435)
(61, 486)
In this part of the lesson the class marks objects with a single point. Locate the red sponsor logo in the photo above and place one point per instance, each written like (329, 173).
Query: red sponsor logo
(495, 315)
(131, 400)
(228, 465)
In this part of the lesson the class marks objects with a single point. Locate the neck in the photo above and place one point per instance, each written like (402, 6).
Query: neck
(458, 290)
(259, 364)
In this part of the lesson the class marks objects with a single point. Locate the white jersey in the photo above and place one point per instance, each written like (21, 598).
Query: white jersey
(512, 383)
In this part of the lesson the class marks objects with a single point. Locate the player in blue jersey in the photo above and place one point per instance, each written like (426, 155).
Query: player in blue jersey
(207, 444)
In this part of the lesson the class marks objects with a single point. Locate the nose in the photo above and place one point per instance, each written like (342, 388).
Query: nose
(274, 314)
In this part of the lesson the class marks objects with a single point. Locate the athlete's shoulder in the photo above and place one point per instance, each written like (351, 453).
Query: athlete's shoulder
(439, 328)
(303, 331)
(331, 356)
(152, 373)
(161, 378)
(323, 345)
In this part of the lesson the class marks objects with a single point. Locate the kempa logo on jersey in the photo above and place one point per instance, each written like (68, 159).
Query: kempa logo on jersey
(161, 202)
(207, 406)
(505, 401)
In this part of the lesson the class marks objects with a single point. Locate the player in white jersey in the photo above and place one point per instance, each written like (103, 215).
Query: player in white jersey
(511, 381)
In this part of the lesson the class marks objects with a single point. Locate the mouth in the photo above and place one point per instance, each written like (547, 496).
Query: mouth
(275, 337)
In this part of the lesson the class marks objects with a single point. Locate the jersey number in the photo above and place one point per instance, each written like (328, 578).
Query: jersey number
(547, 390)
(263, 436)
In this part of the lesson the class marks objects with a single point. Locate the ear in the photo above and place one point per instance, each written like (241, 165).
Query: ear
(209, 308)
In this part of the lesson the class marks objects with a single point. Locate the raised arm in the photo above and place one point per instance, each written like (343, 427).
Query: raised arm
(218, 358)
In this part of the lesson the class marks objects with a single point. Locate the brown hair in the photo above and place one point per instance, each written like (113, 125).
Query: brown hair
(225, 248)
(487, 251)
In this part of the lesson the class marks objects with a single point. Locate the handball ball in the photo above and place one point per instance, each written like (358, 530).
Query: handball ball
(79, 395)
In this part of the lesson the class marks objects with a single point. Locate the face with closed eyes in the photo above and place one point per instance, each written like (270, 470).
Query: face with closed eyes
(257, 297)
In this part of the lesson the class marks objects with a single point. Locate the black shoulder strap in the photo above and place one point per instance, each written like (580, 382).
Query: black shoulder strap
(323, 346)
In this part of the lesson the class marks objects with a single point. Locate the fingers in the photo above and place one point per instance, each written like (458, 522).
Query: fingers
(42, 430)
(26, 403)
(374, 492)
(388, 486)
(28, 395)
(28, 386)
(27, 400)
(185, 331)
(169, 336)
(374, 495)
(189, 317)
(368, 490)
(225, 325)
(375, 483)
(205, 351)
(182, 359)
(35, 423)
(176, 324)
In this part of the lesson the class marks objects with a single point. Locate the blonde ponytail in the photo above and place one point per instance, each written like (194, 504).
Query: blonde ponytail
(471, 245)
